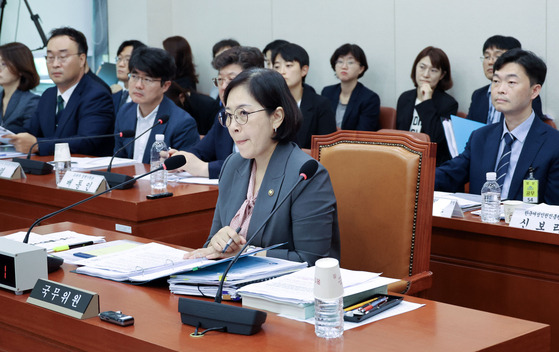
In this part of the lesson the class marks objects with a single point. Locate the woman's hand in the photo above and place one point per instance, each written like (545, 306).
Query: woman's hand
(193, 166)
(424, 92)
(218, 243)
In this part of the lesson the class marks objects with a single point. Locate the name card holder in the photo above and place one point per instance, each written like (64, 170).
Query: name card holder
(65, 299)
(537, 218)
(447, 208)
(11, 170)
(81, 182)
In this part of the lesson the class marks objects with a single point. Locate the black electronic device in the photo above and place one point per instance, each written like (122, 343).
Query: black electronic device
(117, 318)
(159, 195)
(236, 320)
(114, 179)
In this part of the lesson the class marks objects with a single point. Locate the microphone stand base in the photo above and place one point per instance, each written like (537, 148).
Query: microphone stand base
(233, 319)
(114, 179)
(34, 167)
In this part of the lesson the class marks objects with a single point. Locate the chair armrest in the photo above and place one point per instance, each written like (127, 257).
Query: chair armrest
(412, 285)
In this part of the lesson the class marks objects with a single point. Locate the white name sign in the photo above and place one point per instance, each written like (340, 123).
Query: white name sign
(541, 217)
(11, 170)
(81, 182)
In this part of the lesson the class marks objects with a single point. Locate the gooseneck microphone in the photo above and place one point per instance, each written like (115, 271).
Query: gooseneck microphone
(37, 167)
(233, 319)
(53, 262)
(114, 179)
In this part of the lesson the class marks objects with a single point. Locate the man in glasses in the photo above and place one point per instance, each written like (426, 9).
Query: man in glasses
(151, 73)
(206, 158)
(77, 106)
(121, 95)
(481, 108)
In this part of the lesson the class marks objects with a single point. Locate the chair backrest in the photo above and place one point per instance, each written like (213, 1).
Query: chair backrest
(387, 118)
(384, 184)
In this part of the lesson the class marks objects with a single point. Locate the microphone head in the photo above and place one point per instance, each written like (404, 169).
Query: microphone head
(127, 134)
(163, 119)
(308, 169)
(174, 162)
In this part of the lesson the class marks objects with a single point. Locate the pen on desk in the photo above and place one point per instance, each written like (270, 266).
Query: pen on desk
(230, 240)
(84, 255)
(360, 304)
(72, 246)
(373, 305)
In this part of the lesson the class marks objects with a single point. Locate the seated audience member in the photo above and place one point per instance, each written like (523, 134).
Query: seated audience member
(200, 106)
(17, 76)
(423, 108)
(292, 61)
(217, 49)
(262, 118)
(206, 158)
(122, 96)
(180, 50)
(269, 50)
(356, 106)
(481, 107)
(151, 73)
(77, 107)
(511, 147)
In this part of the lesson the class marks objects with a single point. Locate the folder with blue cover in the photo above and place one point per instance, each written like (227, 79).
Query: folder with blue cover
(457, 132)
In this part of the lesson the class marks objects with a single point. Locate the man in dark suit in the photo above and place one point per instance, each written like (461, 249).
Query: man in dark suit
(77, 107)
(151, 73)
(292, 61)
(124, 52)
(517, 80)
(481, 107)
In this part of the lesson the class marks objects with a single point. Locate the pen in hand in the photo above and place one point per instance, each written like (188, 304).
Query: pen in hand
(230, 241)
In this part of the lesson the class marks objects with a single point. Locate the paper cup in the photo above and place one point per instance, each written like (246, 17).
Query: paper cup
(509, 207)
(62, 152)
(327, 279)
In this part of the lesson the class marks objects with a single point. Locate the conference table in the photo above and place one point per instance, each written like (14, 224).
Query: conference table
(496, 268)
(184, 219)
(433, 327)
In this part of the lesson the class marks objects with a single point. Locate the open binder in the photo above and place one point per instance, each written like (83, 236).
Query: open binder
(457, 131)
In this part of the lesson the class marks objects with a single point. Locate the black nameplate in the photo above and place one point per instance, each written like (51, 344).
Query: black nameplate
(65, 299)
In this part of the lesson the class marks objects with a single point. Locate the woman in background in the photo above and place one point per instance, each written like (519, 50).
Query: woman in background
(356, 106)
(422, 109)
(262, 118)
(180, 50)
(18, 76)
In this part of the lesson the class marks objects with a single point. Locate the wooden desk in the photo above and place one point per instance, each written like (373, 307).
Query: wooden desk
(183, 219)
(496, 268)
(435, 327)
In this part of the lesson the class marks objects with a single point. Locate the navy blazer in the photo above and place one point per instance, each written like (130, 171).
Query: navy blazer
(318, 117)
(88, 112)
(117, 97)
(180, 131)
(431, 113)
(307, 221)
(214, 148)
(20, 109)
(363, 108)
(540, 151)
(479, 107)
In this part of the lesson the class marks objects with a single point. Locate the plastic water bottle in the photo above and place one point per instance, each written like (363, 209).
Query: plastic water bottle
(491, 199)
(158, 179)
(329, 317)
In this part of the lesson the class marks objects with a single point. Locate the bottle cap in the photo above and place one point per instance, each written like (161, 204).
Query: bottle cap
(159, 137)
(491, 176)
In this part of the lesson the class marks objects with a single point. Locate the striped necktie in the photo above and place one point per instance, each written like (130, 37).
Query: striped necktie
(504, 161)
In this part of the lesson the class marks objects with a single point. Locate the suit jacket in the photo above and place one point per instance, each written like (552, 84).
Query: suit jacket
(307, 220)
(117, 97)
(363, 108)
(431, 113)
(203, 109)
(89, 112)
(318, 117)
(21, 107)
(180, 131)
(540, 151)
(479, 107)
(214, 148)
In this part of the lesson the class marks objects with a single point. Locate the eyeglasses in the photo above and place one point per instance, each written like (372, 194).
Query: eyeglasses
(349, 63)
(218, 81)
(241, 116)
(61, 58)
(489, 57)
(125, 60)
(147, 81)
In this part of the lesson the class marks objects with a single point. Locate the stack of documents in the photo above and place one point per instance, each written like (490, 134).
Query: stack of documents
(86, 163)
(247, 270)
(56, 239)
(292, 294)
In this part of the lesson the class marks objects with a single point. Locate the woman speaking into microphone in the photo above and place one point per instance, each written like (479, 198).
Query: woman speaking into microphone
(262, 118)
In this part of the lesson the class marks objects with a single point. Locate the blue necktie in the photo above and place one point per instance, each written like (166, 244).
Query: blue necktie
(504, 161)
(123, 98)
(59, 108)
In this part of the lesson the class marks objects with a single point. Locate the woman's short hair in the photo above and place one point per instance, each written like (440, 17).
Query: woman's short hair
(438, 60)
(353, 49)
(270, 90)
(19, 60)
